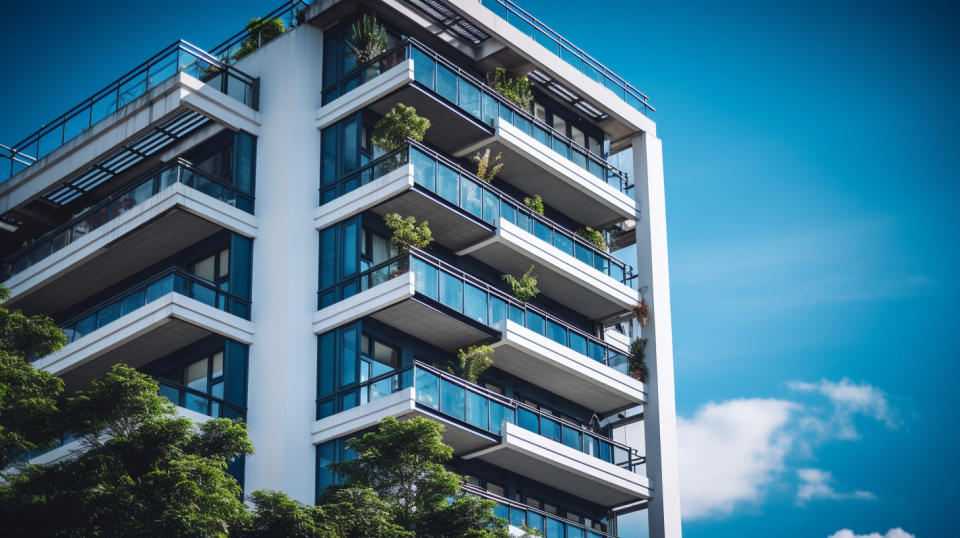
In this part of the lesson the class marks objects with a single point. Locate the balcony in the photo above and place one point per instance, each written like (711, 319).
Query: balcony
(145, 222)
(470, 216)
(145, 322)
(435, 302)
(148, 109)
(519, 514)
(467, 115)
(501, 431)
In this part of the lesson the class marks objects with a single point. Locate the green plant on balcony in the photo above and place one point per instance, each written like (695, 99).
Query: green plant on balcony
(534, 203)
(516, 89)
(595, 237)
(487, 169)
(638, 359)
(260, 31)
(472, 362)
(525, 287)
(530, 532)
(367, 39)
(407, 233)
(393, 129)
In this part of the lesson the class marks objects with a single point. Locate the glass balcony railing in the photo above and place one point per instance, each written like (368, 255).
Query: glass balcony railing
(442, 178)
(519, 514)
(176, 58)
(173, 280)
(444, 78)
(482, 409)
(195, 400)
(118, 203)
(474, 298)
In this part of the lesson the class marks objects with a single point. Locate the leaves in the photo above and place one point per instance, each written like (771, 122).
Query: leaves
(407, 233)
(484, 170)
(525, 287)
(400, 123)
(535, 203)
(516, 89)
(638, 362)
(367, 39)
(472, 363)
(593, 236)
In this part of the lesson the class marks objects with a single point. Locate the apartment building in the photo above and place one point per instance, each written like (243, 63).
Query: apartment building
(215, 218)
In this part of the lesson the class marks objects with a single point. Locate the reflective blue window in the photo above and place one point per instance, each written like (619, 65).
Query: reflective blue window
(428, 389)
(535, 322)
(563, 243)
(517, 517)
(475, 303)
(543, 231)
(452, 399)
(349, 351)
(448, 184)
(423, 67)
(557, 333)
(451, 291)
(447, 83)
(516, 315)
(535, 520)
(470, 98)
(498, 414)
(527, 420)
(550, 428)
(577, 343)
(555, 528)
(425, 278)
(477, 410)
(491, 206)
(508, 212)
(424, 169)
(583, 254)
(571, 437)
(326, 372)
(470, 198)
(498, 311)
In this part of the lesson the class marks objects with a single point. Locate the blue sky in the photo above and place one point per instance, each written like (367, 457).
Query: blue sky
(811, 161)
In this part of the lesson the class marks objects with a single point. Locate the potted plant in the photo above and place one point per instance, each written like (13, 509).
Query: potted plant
(516, 89)
(535, 203)
(642, 312)
(594, 237)
(407, 233)
(525, 287)
(400, 123)
(367, 39)
(638, 363)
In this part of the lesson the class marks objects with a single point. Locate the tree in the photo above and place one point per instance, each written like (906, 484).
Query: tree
(400, 123)
(402, 464)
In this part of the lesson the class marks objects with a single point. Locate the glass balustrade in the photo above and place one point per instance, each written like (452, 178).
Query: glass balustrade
(519, 514)
(474, 97)
(173, 280)
(176, 58)
(482, 409)
(119, 203)
(194, 400)
(446, 180)
(490, 306)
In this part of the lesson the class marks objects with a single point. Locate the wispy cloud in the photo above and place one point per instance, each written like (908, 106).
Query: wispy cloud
(848, 400)
(733, 452)
(892, 533)
(817, 484)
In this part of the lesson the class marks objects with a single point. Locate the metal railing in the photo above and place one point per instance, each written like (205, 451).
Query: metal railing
(472, 95)
(172, 280)
(201, 402)
(180, 56)
(118, 203)
(519, 514)
(231, 50)
(442, 177)
(478, 407)
(477, 300)
(568, 52)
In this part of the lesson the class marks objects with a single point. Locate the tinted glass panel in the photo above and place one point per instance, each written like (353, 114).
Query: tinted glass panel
(527, 420)
(428, 389)
(477, 410)
(452, 399)
(451, 291)
(446, 83)
(475, 303)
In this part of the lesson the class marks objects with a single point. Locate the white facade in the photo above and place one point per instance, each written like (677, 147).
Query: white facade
(581, 287)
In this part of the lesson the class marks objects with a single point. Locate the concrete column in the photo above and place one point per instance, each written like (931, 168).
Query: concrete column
(283, 358)
(660, 413)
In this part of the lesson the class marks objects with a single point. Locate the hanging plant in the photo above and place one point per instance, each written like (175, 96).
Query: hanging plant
(472, 363)
(642, 312)
(638, 359)
(407, 233)
(535, 203)
(595, 237)
(367, 39)
(483, 162)
(525, 287)
(393, 129)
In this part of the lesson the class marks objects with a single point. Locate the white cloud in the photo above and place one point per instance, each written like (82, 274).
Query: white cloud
(848, 399)
(818, 484)
(892, 533)
(730, 452)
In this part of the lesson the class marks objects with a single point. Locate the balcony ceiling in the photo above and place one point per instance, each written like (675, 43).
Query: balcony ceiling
(152, 242)
(420, 320)
(450, 227)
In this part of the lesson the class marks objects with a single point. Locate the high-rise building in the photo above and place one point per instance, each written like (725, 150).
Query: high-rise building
(216, 219)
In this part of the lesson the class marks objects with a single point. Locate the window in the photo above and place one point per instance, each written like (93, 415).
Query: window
(496, 489)
(578, 136)
(377, 358)
(205, 378)
(540, 112)
(559, 124)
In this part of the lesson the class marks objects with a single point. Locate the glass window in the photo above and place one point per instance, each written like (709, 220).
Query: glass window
(425, 278)
(451, 291)
(351, 145)
(528, 420)
(385, 354)
(423, 67)
(205, 269)
(424, 169)
(496, 489)
(571, 437)
(550, 428)
(475, 303)
(428, 389)
(578, 136)
(555, 527)
(540, 112)
(328, 361)
(348, 357)
(452, 399)
(196, 375)
(448, 184)
(498, 311)
(535, 521)
(560, 124)
(447, 84)
(217, 365)
(535, 322)
(351, 256)
(470, 98)
(471, 198)
(328, 256)
(556, 332)
(477, 410)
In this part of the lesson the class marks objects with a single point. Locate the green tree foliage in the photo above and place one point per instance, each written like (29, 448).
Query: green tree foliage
(260, 31)
(143, 471)
(472, 363)
(348, 512)
(400, 123)
(407, 233)
(28, 397)
(593, 236)
(402, 464)
(367, 39)
(534, 203)
(525, 287)
(485, 171)
(516, 89)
